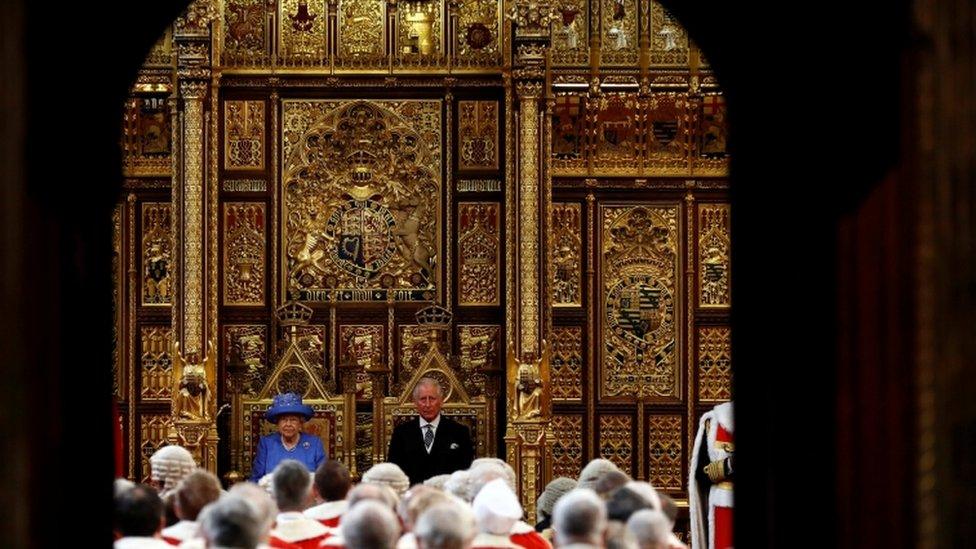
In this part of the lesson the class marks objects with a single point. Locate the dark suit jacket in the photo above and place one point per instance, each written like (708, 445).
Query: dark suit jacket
(452, 449)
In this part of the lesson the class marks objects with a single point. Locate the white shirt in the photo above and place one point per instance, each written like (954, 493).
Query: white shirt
(433, 427)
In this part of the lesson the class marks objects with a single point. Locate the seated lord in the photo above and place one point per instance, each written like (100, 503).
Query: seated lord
(580, 519)
(231, 522)
(291, 486)
(290, 442)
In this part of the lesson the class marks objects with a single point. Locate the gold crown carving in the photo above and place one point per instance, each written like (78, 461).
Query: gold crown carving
(434, 317)
(293, 313)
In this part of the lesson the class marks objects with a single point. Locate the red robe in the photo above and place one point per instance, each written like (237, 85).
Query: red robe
(525, 536)
(715, 436)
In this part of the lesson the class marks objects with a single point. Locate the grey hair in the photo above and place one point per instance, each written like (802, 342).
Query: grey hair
(445, 526)
(373, 491)
(291, 485)
(650, 527)
(430, 382)
(265, 509)
(485, 472)
(579, 517)
(369, 525)
(230, 522)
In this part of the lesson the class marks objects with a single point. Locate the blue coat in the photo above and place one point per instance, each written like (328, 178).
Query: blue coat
(271, 452)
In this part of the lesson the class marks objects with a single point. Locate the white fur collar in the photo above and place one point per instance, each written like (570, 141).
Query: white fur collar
(184, 529)
(327, 510)
(292, 527)
(521, 527)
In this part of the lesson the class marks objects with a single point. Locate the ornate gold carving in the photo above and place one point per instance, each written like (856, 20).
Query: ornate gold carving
(245, 32)
(569, 135)
(619, 32)
(479, 185)
(528, 211)
(478, 135)
(361, 28)
(162, 51)
(311, 343)
(361, 182)
(567, 363)
(478, 32)
(421, 26)
(156, 364)
(479, 348)
(714, 364)
(531, 17)
(302, 33)
(669, 40)
(567, 446)
(415, 341)
(641, 301)
(525, 380)
(567, 259)
(668, 133)
(197, 17)
(571, 33)
(364, 441)
(191, 255)
(153, 432)
(193, 375)
(618, 121)
(245, 186)
(157, 254)
(244, 135)
(146, 137)
(363, 344)
(713, 255)
(712, 126)
(252, 340)
(664, 452)
(616, 440)
(478, 253)
(244, 253)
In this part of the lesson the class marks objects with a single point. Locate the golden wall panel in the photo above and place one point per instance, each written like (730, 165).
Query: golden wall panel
(619, 124)
(157, 253)
(664, 452)
(156, 364)
(669, 40)
(478, 348)
(714, 246)
(414, 344)
(667, 134)
(567, 363)
(619, 44)
(641, 301)
(244, 135)
(245, 31)
(364, 441)
(478, 135)
(146, 137)
(420, 25)
(361, 28)
(361, 186)
(567, 446)
(244, 253)
(567, 254)
(478, 253)
(302, 29)
(154, 428)
(478, 31)
(569, 141)
(253, 342)
(710, 139)
(571, 33)
(616, 440)
(365, 345)
(714, 363)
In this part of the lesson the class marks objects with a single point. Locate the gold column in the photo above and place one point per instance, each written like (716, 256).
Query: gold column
(194, 353)
(527, 367)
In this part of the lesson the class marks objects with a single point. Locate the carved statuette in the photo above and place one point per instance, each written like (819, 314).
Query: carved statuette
(192, 393)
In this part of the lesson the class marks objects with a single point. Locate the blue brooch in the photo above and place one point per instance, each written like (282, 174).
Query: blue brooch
(306, 445)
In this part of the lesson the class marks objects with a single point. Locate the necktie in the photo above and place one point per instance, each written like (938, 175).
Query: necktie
(429, 436)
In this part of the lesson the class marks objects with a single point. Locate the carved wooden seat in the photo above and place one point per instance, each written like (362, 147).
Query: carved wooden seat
(293, 373)
(458, 404)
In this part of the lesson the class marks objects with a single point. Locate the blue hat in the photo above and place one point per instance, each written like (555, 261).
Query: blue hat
(288, 403)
